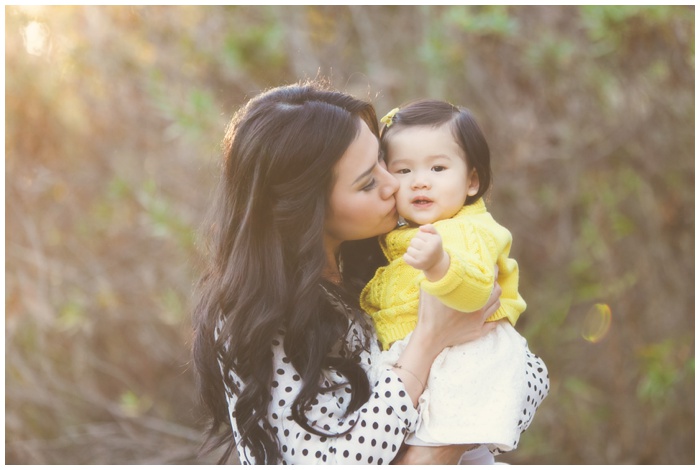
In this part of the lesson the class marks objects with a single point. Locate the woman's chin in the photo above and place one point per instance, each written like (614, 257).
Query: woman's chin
(394, 221)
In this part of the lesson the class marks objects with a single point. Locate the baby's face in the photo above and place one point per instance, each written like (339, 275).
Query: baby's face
(432, 172)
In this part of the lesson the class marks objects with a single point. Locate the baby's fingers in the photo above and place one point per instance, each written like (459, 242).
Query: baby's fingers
(425, 238)
(411, 260)
(428, 228)
(422, 242)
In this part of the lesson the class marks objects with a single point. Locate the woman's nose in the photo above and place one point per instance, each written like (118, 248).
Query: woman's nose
(389, 185)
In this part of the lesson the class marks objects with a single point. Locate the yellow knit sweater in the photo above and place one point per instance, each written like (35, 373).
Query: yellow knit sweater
(475, 243)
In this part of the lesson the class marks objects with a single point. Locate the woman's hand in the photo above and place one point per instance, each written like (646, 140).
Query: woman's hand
(429, 455)
(443, 326)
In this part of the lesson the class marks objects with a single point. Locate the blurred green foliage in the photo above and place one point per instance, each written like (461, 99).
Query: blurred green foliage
(113, 121)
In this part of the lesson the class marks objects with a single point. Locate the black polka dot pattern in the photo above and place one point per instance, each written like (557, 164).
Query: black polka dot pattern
(372, 435)
(538, 388)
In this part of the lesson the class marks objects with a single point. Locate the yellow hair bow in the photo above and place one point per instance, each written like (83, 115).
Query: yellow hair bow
(389, 118)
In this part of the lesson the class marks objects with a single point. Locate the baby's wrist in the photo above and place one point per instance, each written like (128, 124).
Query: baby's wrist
(438, 270)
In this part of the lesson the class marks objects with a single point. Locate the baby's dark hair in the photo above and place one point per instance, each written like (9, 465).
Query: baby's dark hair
(468, 135)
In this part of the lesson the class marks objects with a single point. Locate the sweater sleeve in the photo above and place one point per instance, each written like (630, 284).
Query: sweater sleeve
(474, 252)
(512, 303)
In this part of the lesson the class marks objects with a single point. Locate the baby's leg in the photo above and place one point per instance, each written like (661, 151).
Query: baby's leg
(477, 456)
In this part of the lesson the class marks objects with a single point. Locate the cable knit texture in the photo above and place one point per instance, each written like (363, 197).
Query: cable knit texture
(475, 243)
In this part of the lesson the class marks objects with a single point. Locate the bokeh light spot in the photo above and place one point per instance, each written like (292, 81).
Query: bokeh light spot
(36, 38)
(596, 323)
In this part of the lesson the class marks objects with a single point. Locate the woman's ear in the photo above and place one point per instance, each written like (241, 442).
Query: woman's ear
(473, 182)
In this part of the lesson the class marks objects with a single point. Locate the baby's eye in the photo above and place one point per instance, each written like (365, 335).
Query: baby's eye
(439, 168)
(402, 171)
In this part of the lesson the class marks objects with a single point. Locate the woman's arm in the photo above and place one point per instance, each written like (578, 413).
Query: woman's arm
(372, 434)
(465, 327)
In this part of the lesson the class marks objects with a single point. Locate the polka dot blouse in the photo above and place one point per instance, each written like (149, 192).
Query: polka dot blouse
(376, 430)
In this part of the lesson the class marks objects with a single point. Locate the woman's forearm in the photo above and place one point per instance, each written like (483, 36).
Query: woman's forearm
(413, 366)
(439, 327)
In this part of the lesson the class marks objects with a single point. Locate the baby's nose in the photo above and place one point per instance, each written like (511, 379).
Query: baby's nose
(420, 182)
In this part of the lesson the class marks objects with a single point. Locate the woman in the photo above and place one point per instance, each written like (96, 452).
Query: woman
(281, 350)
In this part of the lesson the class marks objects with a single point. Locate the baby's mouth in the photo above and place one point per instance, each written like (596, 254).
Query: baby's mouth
(421, 201)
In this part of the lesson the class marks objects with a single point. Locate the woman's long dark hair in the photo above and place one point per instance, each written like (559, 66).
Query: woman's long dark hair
(467, 133)
(266, 257)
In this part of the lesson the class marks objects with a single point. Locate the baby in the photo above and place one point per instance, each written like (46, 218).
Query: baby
(451, 247)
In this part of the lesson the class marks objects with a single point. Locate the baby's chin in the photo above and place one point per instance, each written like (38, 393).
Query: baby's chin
(418, 221)
(416, 218)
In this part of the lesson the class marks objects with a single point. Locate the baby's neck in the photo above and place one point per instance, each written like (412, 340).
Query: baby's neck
(412, 224)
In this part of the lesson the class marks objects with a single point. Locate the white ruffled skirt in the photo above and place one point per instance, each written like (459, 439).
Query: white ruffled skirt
(482, 392)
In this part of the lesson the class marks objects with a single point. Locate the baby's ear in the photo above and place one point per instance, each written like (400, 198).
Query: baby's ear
(473, 182)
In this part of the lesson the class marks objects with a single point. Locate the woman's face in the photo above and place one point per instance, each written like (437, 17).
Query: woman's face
(362, 201)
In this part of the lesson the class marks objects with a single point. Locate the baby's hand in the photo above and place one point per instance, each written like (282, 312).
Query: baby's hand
(425, 252)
